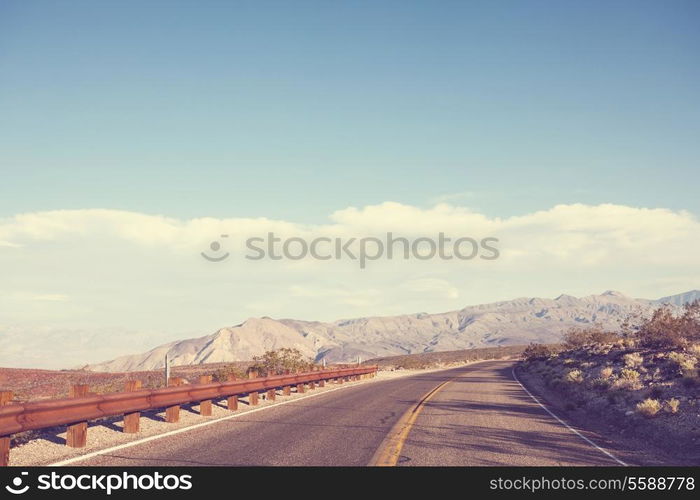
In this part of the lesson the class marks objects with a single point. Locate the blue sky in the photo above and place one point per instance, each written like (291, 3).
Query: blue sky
(133, 133)
(295, 109)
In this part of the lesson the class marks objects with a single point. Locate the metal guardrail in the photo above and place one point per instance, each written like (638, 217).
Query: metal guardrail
(76, 411)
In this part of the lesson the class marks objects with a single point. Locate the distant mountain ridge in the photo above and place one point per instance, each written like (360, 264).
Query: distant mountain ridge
(681, 298)
(517, 321)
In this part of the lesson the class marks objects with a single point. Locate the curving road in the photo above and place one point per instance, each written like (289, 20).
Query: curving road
(482, 416)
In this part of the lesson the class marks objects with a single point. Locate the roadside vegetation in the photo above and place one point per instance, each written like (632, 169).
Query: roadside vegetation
(643, 381)
(281, 361)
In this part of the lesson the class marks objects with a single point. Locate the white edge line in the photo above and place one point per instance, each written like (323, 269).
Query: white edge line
(565, 424)
(189, 428)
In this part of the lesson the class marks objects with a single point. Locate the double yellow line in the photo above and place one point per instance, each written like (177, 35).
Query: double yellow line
(388, 453)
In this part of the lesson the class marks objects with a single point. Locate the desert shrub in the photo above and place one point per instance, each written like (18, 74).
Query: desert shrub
(279, 361)
(535, 352)
(649, 407)
(671, 405)
(633, 360)
(628, 343)
(606, 372)
(668, 330)
(578, 337)
(628, 374)
(575, 376)
(685, 364)
(628, 379)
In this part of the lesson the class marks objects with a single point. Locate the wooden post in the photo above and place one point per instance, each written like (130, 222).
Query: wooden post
(312, 385)
(340, 380)
(172, 413)
(205, 406)
(76, 437)
(271, 394)
(301, 389)
(286, 390)
(322, 383)
(232, 401)
(5, 398)
(132, 420)
(253, 396)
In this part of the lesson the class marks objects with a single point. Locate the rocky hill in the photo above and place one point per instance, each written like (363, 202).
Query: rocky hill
(518, 321)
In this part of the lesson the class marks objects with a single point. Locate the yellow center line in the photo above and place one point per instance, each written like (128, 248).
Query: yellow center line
(388, 453)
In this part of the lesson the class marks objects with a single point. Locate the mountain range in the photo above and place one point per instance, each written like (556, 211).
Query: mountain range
(517, 321)
(681, 298)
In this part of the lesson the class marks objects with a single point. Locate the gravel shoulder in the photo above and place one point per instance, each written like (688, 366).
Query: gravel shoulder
(612, 431)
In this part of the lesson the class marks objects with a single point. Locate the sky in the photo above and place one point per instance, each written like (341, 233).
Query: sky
(132, 134)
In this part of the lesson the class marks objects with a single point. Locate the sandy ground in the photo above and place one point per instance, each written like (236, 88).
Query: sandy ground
(49, 447)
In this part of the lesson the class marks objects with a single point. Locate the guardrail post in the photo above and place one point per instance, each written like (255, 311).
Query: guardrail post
(340, 380)
(301, 389)
(132, 420)
(205, 406)
(232, 401)
(322, 383)
(172, 413)
(5, 398)
(312, 385)
(253, 396)
(271, 394)
(76, 437)
(286, 390)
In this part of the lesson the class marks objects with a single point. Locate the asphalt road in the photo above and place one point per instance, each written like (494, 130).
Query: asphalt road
(482, 417)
